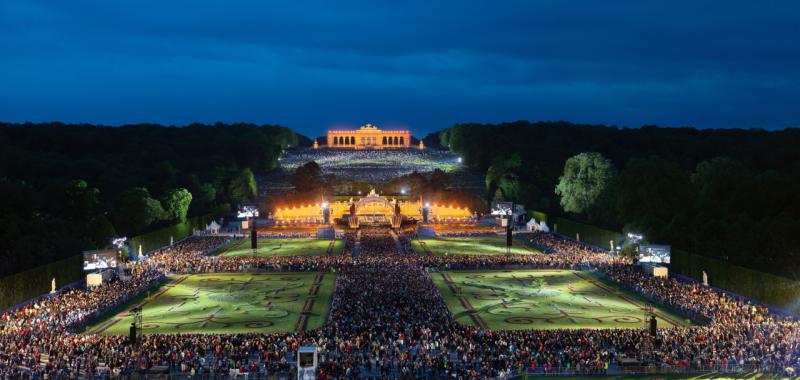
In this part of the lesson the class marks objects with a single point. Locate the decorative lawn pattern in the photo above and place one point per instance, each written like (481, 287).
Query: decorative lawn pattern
(543, 299)
(287, 247)
(229, 303)
(492, 245)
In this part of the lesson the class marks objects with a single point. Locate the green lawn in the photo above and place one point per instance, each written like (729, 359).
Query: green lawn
(285, 247)
(228, 303)
(542, 299)
(470, 246)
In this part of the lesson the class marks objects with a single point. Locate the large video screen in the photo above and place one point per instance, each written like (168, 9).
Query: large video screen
(502, 208)
(654, 253)
(103, 259)
(247, 211)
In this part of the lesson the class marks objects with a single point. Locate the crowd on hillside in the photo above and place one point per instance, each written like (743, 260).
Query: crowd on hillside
(387, 319)
(373, 166)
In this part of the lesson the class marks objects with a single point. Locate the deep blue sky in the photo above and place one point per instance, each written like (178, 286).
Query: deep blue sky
(420, 65)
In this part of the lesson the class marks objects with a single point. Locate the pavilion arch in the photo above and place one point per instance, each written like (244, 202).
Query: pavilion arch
(374, 204)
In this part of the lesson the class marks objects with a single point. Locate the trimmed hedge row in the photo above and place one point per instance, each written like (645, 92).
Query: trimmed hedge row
(34, 282)
(538, 215)
(765, 287)
(588, 233)
(159, 238)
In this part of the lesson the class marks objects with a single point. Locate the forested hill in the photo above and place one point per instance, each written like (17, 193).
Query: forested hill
(64, 188)
(721, 193)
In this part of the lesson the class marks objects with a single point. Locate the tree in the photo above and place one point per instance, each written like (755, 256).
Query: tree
(444, 138)
(206, 194)
(308, 177)
(176, 204)
(586, 176)
(439, 179)
(100, 230)
(718, 180)
(137, 210)
(242, 187)
(652, 195)
(502, 173)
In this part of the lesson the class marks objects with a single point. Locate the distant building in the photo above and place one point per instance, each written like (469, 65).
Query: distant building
(368, 137)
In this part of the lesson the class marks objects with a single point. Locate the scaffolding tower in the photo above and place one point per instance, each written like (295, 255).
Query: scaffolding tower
(648, 347)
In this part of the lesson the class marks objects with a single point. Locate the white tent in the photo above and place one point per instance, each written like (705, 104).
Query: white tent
(213, 227)
(543, 227)
(532, 225)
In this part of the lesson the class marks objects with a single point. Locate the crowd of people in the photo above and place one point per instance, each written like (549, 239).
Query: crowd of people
(376, 242)
(465, 230)
(373, 166)
(388, 319)
(288, 231)
(551, 243)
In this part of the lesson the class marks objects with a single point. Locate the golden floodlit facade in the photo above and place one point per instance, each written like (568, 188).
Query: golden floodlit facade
(373, 206)
(368, 137)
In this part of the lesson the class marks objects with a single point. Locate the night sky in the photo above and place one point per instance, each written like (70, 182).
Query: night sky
(418, 65)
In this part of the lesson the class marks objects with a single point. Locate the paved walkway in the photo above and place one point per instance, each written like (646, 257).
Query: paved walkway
(357, 248)
(397, 245)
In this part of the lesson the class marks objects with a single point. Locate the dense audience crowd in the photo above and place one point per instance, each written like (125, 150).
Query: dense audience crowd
(286, 235)
(373, 166)
(550, 243)
(387, 319)
(376, 242)
(304, 230)
(465, 230)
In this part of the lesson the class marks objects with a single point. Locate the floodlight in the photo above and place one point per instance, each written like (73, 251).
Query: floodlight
(119, 242)
(635, 238)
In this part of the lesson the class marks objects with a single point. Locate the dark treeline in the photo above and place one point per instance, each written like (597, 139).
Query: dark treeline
(67, 188)
(729, 194)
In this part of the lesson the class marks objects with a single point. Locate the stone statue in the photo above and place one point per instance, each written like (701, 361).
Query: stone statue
(53, 286)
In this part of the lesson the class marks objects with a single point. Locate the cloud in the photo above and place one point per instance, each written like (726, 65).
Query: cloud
(426, 64)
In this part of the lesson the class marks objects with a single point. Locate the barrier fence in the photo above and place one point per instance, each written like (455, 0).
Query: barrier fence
(655, 370)
(289, 372)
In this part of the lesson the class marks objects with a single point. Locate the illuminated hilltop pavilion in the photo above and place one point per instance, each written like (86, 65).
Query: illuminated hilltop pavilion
(368, 137)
